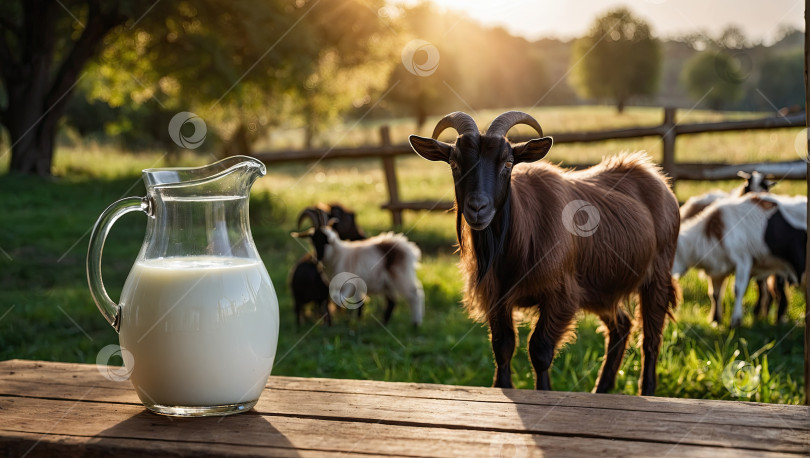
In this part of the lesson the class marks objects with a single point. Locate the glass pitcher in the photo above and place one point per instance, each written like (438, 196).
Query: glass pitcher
(198, 315)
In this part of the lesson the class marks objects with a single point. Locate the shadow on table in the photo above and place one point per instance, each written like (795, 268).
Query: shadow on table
(146, 433)
(557, 425)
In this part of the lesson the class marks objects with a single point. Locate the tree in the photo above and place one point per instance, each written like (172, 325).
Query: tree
(781, 79)
(43, 50)
(732, 37)
(239, 63)
(715, 78)
(618, 59)
(424, 93)
(246, 66)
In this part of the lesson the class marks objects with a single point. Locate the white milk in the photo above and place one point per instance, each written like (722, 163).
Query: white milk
(202, 330)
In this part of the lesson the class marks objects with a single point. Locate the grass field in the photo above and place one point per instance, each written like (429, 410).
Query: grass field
(47, 312)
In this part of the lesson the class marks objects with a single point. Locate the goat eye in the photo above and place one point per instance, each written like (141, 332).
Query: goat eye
(508, 164)
(453, 164)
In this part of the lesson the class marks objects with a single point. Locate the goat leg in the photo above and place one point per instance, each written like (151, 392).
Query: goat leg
(780, 291)
(763, 307)
(656, 297)
(389, 309)
(741, 278)
(618, 328)
(324, 308)
(717, 286)
(548, 331)
(503, 337)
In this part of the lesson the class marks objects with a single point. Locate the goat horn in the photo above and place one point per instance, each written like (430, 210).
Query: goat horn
(313, 214)
(501, 125)
(462, 122)
(301, 235)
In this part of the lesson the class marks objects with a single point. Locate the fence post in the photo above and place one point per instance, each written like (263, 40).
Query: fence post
(668, 139)
(391, 178)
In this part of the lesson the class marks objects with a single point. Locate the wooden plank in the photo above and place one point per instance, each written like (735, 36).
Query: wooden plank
(38, 378)
(775, 122)
(16, 443)
(304, 155)
(309, 155)
(90, 427)
(420, 205)
(789, 170)
(710, 425)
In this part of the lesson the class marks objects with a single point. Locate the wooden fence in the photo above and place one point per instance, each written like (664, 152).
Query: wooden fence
(668, 131)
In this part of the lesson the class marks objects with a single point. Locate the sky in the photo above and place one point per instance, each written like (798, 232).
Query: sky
(759, 19)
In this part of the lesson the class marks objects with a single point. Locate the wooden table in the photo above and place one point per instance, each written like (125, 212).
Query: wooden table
(60, 409)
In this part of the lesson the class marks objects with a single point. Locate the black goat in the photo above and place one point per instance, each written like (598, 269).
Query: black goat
(306, 279)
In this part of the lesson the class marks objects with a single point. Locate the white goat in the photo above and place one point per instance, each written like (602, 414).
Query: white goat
(729, 237)
(386, 263)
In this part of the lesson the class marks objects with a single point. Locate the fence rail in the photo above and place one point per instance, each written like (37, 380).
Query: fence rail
(668, 131)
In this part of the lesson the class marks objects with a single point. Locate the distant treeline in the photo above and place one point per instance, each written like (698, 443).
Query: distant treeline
(477, 67)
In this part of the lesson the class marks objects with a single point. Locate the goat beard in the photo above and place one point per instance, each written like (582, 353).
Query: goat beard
(487, 244)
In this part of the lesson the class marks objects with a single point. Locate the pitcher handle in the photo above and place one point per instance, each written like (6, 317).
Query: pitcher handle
(108, 308)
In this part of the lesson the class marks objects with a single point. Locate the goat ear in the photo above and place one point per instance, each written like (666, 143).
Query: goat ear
(532, 150)
(430, 149)
(743, 174)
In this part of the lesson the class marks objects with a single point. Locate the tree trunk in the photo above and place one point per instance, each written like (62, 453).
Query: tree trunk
(241, 142)
(421, 117)
(32, 129)
(37, 95)
(309, 136)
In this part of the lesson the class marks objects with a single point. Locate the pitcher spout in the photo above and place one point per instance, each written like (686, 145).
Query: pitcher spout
(234, 169)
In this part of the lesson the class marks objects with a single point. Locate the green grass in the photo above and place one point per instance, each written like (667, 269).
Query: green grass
(44, 225)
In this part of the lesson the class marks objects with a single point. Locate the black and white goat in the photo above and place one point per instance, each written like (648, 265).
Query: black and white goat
(754, 235)
(386, 264)
(771, 288)
(306, 279)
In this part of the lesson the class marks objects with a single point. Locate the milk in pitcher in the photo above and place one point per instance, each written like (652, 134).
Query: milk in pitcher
(197, 328)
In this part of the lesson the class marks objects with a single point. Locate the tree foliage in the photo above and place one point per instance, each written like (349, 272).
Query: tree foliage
(238, 62)
(247, 65)
(781, 79)
(618, 59)
(44, 46)
(715, 78)
(478, 67)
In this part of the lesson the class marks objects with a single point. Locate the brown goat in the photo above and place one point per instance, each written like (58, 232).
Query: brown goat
(524, 242)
